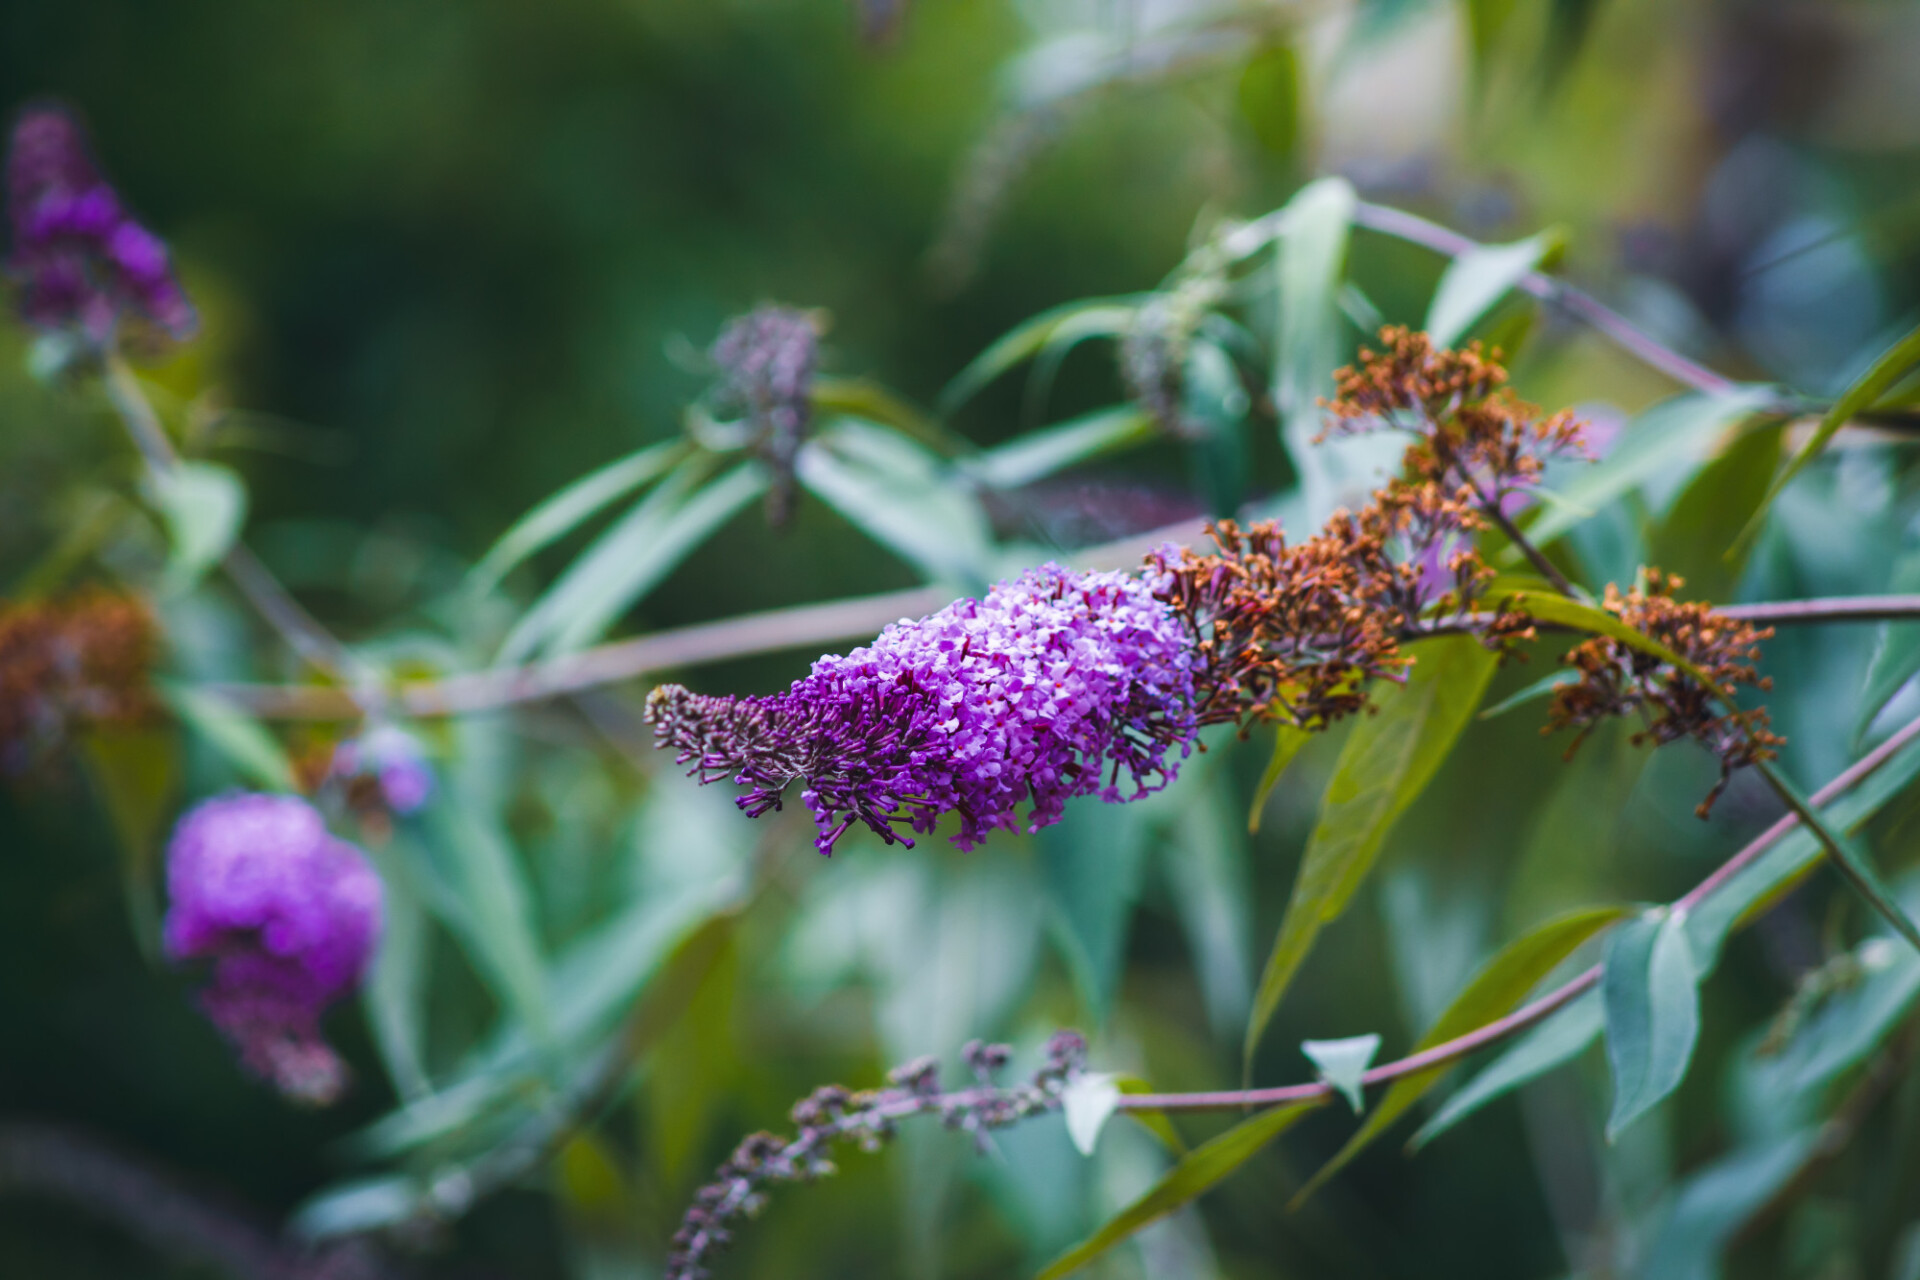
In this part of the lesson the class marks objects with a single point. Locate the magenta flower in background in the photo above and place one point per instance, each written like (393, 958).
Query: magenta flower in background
(1051, 687)
(290, 917)
(391, 758)
(81, 260)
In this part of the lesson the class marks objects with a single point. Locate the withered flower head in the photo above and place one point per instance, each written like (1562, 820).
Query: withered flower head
(86, 659)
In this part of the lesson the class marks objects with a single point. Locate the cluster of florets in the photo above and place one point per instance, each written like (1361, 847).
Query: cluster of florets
(290, 918)
(767, 360)
(1617, 679)
(833, 1114)
(82, 262)
(64, 664)
(382, 770)
(1057, 684)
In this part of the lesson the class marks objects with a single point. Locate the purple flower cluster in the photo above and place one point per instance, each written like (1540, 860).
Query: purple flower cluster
(81, 259)
(1049, 688)
(392, 761)
(290, 917)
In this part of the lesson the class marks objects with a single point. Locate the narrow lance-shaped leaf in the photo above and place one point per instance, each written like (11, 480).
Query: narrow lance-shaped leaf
(1848, 859)
(1039, 454)
(563, 512)
(1287, 741)
(1492, 993)
(1091, 316)
(901, 496)
(1478, 278)
(1880, 376)
(1650, 990)
(1386, 763)
(1311, 262)
(239, 738)
(1197, 1171)
(1558, 1040)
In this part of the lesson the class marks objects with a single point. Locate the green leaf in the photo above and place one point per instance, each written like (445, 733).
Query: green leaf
(1311, 263)
(1386, 762)
(633, 556)
(1896, 657)
(1343, 1064)
(901, 496)
(1214, 399)
(204, 505)
(1194, 1174)
(1763, 881)
(1039, 454)
(1850, 1023)
(1203, 861)
(1848, 859)
(1565, 612)
(1710, 512)
(1656, 442)
(1556, 1041)
(359, 1205)
(1480, 277)
(1091, 869)
(1097, 317)
(1538, 689)
(136, 773)
(396, 992)
(1713, 1205)
(572, 506)
(230, 730)
(1270, 98)
(1087, 1101)
(493, 915)
(1287, 741)
(1651, 993)
(869, 401)
(1492, 993)
(1486, 20)
(1880, 376)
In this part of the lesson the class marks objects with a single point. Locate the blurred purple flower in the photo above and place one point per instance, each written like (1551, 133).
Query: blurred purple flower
(290, 917)
(1047, 689)
(81, 259)
(392, 759)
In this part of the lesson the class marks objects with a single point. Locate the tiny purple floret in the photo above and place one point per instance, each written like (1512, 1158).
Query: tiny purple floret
(289, 915)
(81, 260)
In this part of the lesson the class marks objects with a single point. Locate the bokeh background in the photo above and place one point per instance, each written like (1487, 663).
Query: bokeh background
(450, 257)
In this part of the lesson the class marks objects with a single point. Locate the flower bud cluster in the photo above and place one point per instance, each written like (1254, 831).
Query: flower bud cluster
(833, 1114)
(767, 360)
(82, 262)
(83, 660)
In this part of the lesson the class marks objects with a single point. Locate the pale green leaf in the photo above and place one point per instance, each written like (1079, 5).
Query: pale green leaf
(901, 496)
(1194, 1174)
(1651, 994)
(1088, 318)
(1343, 1064)
(1556, 1041)
(1287, 741)
(204, 505)
(563, 512)
(1387, 761)
(1691, 541)
(1088, 1100)
(1478, 278)
(493, 918)
(1039, 454)
(1311, 264)
(1713, 1204)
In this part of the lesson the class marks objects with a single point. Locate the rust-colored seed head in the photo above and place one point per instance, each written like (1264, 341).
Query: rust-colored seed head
(84, 659)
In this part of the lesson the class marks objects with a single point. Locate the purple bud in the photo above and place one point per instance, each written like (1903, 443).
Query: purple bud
(392, 758)
(81, 260)
(290, 917)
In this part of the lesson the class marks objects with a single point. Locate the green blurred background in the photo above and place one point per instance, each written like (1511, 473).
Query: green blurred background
(452, 256)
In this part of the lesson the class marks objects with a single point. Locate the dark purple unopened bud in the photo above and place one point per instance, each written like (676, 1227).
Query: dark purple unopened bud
(290, 917)
(81, 260)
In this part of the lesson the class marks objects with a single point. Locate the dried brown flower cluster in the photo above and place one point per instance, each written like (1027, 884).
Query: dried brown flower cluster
(833, 1114)
(1617, 679)
(81, 660)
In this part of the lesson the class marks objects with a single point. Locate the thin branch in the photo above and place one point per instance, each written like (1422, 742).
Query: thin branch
(1574, 301)
(281, 611)
(156, 1209)
(1530, 1014)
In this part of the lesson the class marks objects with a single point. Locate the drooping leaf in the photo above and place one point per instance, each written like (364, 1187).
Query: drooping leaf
(1194, 1174)
(1710, 512)
(1287, 741)
(1478, 278)
(1311, 263)
(493, 916)
(1091, 870)
(1342, 1064)
(1088, 318)
(230, 730)
(1650, 990)
(1878, 378)
(1656, 442)
(560, 514)
(1204, 861)
(204, 505)
(901, 496)
(1036, 455)
(396, 992)
(1492, 993)
(1087, 1101)
(1386, 762)
(1559, 1039)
